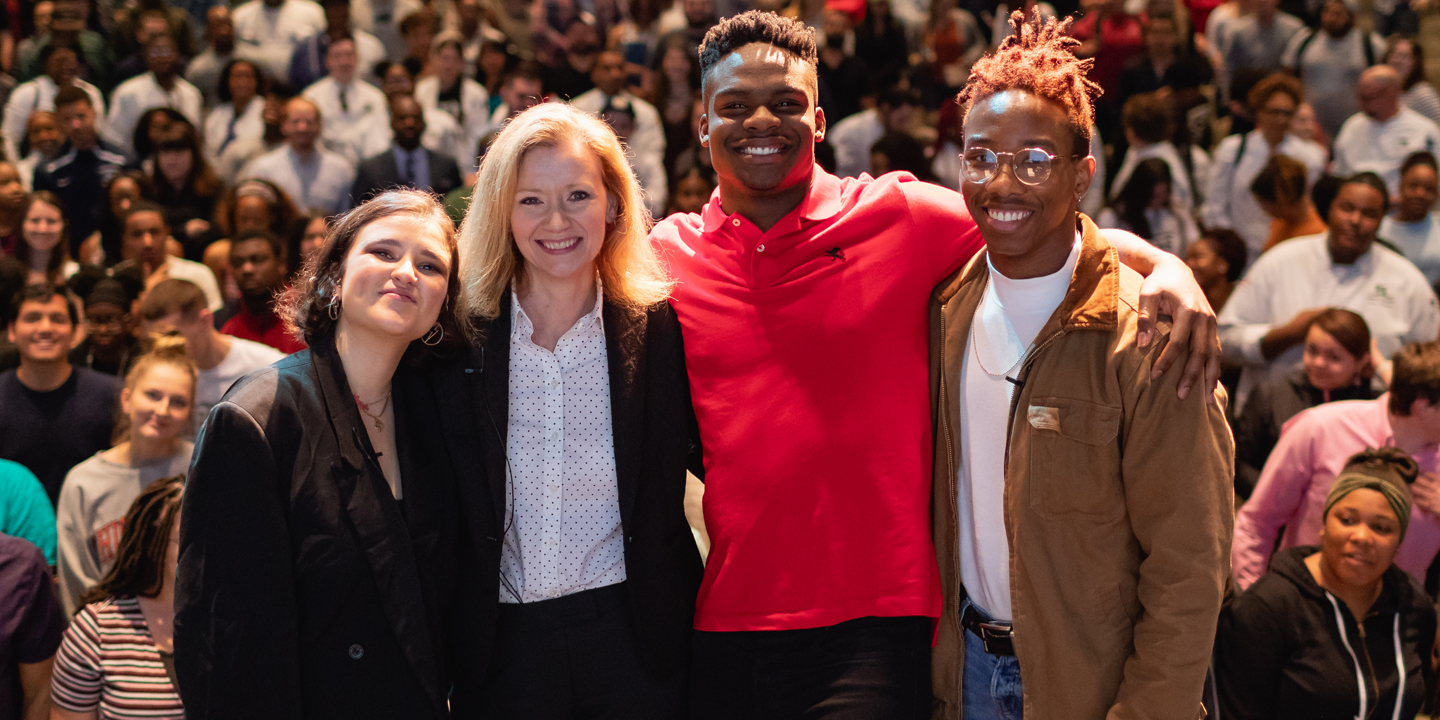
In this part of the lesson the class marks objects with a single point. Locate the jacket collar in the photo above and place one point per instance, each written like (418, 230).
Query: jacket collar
(381, 529)
(1091, 301)
(824, 201)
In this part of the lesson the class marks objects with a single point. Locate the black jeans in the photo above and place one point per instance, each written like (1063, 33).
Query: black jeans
(866, 669)
(576, 657)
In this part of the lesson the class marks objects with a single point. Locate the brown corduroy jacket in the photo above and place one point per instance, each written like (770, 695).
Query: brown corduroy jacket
(1117, 505)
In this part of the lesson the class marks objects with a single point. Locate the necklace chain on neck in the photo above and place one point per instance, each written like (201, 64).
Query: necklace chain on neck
(376, 417)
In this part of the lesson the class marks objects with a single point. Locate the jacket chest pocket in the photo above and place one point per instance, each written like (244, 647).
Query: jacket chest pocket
(1074, 457)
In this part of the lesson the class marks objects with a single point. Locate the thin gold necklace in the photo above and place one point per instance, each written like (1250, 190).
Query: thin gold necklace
(376, 416)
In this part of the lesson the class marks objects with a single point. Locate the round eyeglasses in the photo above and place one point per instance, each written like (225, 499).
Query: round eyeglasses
(1031, 165)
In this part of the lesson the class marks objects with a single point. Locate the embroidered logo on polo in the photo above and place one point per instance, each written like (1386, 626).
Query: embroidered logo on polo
(1381, 295)
(836, 253)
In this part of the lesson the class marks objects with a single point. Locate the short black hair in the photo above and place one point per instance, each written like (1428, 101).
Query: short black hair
(756, 26)
(276, 245)
(143, 206)
(1424, 157)
(71, 95)
(1374, 181)
(1323, 192)
(1230, 246)
(41, 292)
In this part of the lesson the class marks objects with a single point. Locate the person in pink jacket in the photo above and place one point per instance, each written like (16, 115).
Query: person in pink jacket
(1312, 450)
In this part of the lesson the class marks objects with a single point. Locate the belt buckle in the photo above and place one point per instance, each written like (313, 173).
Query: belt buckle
(997, 634)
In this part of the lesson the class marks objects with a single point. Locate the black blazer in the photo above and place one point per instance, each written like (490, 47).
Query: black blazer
(304, 588)
(380, 173)
(655, 440)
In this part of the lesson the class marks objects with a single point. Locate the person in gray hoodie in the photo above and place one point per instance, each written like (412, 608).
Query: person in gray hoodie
(1336, 631)
(156, 410)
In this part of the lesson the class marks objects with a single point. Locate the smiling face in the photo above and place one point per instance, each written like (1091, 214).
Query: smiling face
(12, 193)
(1354, 220)
(1360, 538)
(42, 226)
(341, 60)
(243, 83)
(761, 123)
(1206, 262)
(44, 133)
(1328, 365)
(1402, 58)
(1419, 189)
(448, 63)
(396, 275)
(1029, 229)
(158, 404)
(43, 331)
(106, 325)
(561, 211)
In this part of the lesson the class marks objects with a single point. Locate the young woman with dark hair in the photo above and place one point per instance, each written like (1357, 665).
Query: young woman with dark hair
(1407, 57)
(116, 659)
(320, 525)
(1144, 207)
(1337, 366)
(103, 247)
(239, 116)
(186, 186)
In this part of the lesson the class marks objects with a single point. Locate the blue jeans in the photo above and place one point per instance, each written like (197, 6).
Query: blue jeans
(992, 684)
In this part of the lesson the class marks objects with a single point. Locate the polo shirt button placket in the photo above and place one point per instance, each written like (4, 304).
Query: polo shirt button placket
(735, 222)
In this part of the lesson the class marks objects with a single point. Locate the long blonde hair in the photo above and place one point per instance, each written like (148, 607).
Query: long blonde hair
(629, 268)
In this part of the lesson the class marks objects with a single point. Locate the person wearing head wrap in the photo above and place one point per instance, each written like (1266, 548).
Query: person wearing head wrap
(1335, 631)
(109, 343)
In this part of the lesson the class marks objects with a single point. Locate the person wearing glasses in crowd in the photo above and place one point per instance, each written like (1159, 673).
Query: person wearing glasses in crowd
(320, 525)
(818, 486)
(575, 406)
(109, 344)
(1064, 502)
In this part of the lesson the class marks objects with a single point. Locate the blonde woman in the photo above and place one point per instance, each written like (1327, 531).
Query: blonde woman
(156, 410)
(570, 428)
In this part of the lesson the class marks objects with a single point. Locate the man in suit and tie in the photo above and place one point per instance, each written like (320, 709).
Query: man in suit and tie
(406, 163)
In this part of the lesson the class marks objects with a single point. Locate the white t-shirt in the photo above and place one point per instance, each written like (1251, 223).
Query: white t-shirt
(1420, 241)
(245, 357)
(1366, 144)
(1009, 316)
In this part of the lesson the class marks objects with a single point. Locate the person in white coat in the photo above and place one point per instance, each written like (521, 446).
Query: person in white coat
(357, 124)
(460, 97)
(62, 69)
(1379, 137)
(1239, 158)
(269, 30)
(317, 179)
(162, 86)
(240, 115)
(647, 134)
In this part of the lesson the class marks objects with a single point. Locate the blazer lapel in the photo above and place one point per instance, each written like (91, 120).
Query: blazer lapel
(625, 343)
(378, 524)
(492, 394)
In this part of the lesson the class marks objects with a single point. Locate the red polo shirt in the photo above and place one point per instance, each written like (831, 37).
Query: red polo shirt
(807, 348)
(266, 329)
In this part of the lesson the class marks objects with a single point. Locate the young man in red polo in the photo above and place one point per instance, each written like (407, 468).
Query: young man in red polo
(803, 299)
(1082, 511)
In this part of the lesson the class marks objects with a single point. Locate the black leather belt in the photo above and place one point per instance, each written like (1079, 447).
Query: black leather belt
(995, 635)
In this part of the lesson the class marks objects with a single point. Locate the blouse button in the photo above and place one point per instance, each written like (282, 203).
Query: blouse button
(735, 222)
(760, 249)
(356, 652)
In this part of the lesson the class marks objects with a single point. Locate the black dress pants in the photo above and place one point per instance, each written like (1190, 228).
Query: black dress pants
(866, 669)
(576, 657)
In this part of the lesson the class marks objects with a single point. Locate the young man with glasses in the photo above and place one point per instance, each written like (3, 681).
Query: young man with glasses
(802, 297)
(1081, 511)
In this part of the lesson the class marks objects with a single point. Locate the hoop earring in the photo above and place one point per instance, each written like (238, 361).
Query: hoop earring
(433, 338)
(333, 309)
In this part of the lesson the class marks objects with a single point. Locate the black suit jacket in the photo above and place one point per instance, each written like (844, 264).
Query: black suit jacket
(304, 588)
(380, 173)
(655, 441)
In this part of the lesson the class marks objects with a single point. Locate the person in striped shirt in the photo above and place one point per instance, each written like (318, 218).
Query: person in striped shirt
(115, 661)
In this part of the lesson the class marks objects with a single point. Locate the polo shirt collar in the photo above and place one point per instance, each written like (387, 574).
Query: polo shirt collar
(824, 201)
